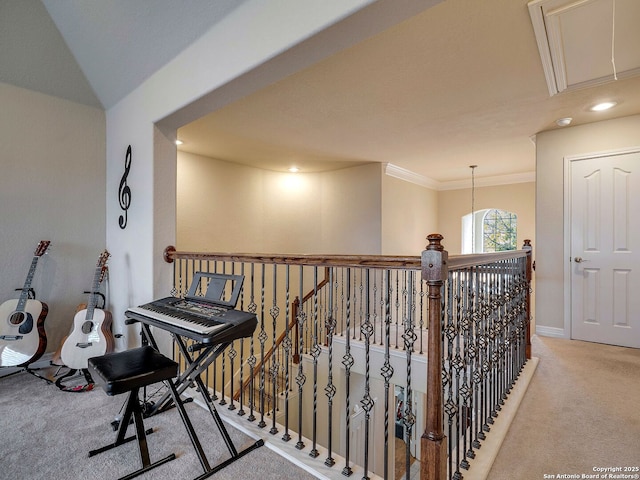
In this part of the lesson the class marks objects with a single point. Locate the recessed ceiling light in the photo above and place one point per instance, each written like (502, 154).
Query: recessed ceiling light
(563, 122)
(179, 142)
(603, 106)
(294, 169)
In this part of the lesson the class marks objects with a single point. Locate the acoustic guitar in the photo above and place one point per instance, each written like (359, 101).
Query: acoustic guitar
(91, 335)
(22, 336)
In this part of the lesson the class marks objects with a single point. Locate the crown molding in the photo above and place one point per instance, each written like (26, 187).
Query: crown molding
(411, 177)
(494, 181)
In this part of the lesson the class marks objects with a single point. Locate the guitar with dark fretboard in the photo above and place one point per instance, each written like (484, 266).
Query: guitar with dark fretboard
(91, 335)
(22, 336)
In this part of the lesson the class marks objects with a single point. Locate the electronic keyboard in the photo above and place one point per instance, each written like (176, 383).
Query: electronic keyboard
(208, 318)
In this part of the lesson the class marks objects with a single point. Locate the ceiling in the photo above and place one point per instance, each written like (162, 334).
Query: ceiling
(463, 83)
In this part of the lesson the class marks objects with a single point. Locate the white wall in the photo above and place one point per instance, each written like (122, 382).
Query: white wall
(52, 188)
(551, 149)
(237, 44)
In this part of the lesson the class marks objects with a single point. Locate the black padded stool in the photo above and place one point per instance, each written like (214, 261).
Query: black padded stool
(128, 371)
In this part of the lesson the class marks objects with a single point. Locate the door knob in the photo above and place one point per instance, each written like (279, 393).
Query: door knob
(579, 260)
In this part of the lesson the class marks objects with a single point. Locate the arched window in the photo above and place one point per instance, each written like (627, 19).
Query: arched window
(489, 230)
(499, 231)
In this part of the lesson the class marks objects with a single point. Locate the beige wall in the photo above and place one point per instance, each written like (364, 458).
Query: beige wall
(223, 206)
(551, 149)
(52, 188)
(409, 214)
(229, 207)
(519, 198)
(351, 219)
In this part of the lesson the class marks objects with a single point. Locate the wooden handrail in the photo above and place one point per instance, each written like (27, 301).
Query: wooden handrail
(455, 262)
(373, 261)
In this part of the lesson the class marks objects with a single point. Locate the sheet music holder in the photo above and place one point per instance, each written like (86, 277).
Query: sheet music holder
(210, 303)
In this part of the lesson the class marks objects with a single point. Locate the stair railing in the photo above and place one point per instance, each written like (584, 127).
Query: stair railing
(473, 311)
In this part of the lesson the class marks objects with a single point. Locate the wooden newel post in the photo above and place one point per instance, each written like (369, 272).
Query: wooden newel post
(527, 246)
(433, 444)
(167, 255)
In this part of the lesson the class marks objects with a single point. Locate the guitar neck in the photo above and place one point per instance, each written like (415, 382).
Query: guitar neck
(93, 295)
(27, 285)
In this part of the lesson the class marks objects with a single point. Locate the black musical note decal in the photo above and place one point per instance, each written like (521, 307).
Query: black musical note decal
(124, 193)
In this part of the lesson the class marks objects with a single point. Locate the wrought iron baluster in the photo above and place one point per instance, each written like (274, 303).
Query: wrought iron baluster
(484, 356)
(363, 299)
(409, 337)
(300, 378)
(387, 369)
(397, 309)
(377, 304)
(262, 338)
(253, 308)
(466, 390)
(493, 332)
(458, 367)
(315, 353)
(232, 353)
(241, 411)
(340, 304)
(274, 312)
(330, 389)
(367, 402)
(347, 361)
(287, 349)
(422, 322)
(450, 405)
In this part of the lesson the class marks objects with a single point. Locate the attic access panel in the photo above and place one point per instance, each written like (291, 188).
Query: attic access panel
(575, 40)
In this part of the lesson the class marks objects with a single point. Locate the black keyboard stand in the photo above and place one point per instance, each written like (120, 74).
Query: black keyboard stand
(192, 375)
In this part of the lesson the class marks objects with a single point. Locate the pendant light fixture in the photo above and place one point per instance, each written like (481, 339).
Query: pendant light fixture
(473, 206)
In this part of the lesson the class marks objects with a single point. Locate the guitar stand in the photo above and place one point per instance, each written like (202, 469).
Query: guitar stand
(190, 376)
(78, 388)
(32, 371)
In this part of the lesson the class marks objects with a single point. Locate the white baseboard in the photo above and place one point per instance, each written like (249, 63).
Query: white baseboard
(550, 331)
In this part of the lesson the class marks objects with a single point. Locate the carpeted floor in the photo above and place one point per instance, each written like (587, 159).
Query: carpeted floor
(581, 412)
(46, 433)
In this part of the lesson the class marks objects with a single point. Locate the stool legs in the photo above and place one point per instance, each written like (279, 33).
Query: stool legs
(133, 409)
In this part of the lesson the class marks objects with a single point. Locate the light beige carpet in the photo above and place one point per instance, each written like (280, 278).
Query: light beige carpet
(46, 434)
(581, 412)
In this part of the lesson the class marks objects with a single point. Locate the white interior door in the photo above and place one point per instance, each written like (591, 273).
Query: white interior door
(605, 249)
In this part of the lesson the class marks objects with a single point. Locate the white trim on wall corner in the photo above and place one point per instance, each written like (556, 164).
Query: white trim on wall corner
(490, 181)
(543, 331)
(409, 176)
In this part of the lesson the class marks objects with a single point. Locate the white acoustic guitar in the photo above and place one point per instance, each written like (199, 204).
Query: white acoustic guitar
(22, 336)
(91, 335)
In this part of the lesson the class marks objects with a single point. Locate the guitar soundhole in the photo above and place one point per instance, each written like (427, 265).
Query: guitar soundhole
(86, 327)
(25, 320)
(17, 318)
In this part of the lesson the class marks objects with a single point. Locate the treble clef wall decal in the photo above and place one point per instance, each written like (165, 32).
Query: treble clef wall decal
(124, 192)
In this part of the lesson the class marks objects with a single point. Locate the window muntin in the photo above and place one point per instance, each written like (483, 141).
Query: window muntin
(499, 231)
(489, 230)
